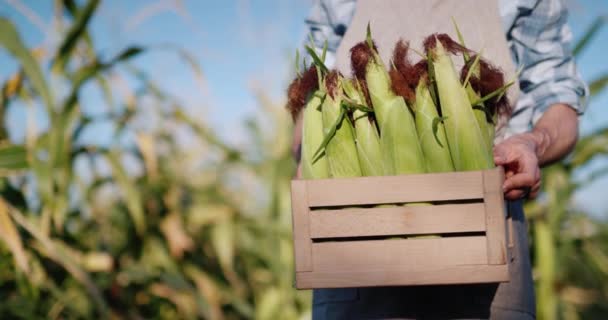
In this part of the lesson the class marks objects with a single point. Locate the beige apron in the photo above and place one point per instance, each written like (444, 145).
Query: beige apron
(413, 20)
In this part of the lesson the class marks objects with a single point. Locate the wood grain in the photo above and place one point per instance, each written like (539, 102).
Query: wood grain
(404, 276)
(395, 189)
(418, 253)
(301, 231)
(398, 220)
(495, 216)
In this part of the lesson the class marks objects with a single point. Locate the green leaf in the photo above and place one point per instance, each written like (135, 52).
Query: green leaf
(598, 85)
(329, 135)
(465, 54)
(593, 29)
(88, 72)
(435, 125)
(498, 92)
(222, 239)
(472, 68)
(10, 39)
(317, 61)
(55, 250)
(324, 52)
(13, 157)
(10, 236)
(368, 36)
(351, 105)
(74, 33)
(130, 193)
(297, 64)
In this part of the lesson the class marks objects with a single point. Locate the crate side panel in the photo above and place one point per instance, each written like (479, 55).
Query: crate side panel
(373, 254)
(397, 220)
(395, 189)
(301, 228)
(404, 276)
(495, 216)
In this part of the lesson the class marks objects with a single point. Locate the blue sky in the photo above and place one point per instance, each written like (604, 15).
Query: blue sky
(242, 46)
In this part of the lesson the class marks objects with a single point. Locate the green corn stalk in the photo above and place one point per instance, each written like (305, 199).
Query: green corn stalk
(312, 135)
(367, 138)
(467, 146)
(431, 132)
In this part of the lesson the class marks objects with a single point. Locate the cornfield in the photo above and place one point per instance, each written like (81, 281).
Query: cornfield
(152, 227)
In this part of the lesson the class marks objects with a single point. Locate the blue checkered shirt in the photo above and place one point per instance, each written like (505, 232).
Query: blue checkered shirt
(539, 39)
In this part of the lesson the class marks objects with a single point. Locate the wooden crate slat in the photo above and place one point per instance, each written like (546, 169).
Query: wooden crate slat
(395, 189)
(404, 275)
(373, 254)
(495, 217)
(300, 222)
(397, 220)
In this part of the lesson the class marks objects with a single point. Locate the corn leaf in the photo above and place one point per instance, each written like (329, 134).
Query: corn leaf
(435, 125)
(297, 64)
(13, 157)
(10, 39)
(465, 54)
(130, 193)
(59, 256)
(472, 69)
(598, 85)
(589, 34)
(330, 134)
(317, 61)
(493, 94)
(10, 236)
(74, 33)
(88, 72)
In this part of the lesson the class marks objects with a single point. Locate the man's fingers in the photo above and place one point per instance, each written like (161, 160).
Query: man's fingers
(519, 181)
(514, 194)
(534, 191)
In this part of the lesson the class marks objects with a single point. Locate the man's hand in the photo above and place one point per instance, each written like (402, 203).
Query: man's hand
(522, 155)
(522, 172)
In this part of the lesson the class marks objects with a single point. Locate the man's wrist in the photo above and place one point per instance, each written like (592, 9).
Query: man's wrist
(542, 138)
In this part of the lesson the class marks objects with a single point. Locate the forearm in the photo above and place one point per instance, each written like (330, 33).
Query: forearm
(555, 134)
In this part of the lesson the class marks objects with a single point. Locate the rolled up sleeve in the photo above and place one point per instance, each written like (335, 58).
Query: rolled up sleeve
(540, 43)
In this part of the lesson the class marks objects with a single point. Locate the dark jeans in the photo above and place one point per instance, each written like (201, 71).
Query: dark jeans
(512, 300)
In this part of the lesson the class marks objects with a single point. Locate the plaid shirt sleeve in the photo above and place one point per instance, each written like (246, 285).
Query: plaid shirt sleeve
(540, 45)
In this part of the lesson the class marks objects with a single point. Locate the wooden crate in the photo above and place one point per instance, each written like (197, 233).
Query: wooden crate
(342, 240)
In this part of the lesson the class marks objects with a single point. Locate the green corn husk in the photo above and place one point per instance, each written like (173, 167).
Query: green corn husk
(340, 150)
(467, 146)
(367, 138)
(312, 136)
(487, 128)
(399, 142)
(431, 132)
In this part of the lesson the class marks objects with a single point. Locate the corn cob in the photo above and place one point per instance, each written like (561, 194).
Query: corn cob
(312, 136)
(305, 96)
(399, 142)
(340, 150)
(367, 138)
(431, 132)
(467, 146)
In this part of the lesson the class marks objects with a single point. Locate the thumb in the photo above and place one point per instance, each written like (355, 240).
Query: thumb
(500, 156)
